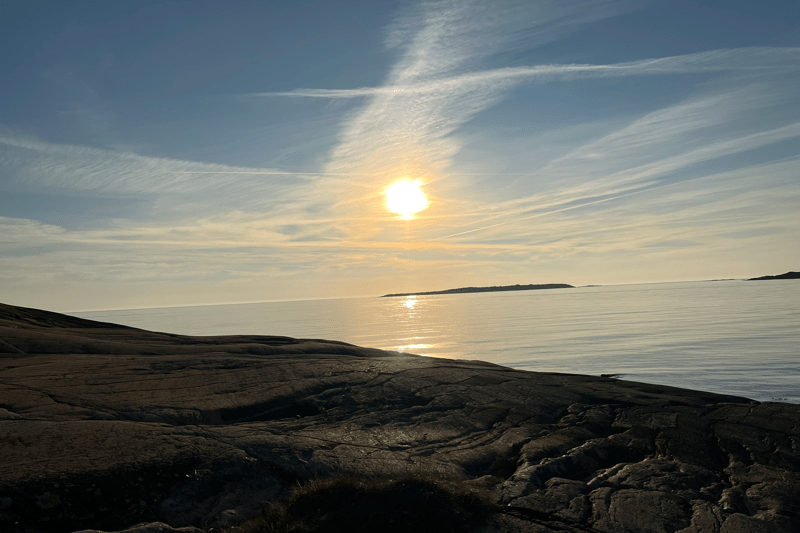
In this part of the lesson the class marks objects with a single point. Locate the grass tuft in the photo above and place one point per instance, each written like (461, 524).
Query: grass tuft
(401, 504)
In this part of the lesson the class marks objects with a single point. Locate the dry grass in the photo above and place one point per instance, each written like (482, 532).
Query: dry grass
(410, 503)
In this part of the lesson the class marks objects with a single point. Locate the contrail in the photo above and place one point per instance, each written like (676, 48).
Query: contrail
(749, 58)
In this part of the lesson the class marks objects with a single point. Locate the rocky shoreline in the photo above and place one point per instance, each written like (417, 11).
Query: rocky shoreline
(105, 427)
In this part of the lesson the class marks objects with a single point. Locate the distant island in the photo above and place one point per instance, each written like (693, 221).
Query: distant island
(788, 275)
(486, 289)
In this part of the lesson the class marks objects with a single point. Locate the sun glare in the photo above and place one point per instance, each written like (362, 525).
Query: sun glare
(406, 198)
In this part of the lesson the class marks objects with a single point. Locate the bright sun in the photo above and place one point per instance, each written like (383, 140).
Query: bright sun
(405, 198)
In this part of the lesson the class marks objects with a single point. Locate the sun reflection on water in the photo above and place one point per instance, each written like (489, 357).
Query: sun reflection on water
(414, 314)
(412, 348)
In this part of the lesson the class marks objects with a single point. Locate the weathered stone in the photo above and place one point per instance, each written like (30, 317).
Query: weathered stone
(562, 498)
(641, 511)
(706, 518)
(739, 523)
(153, 527)
(104, 427)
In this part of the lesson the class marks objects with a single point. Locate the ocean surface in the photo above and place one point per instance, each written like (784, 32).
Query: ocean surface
(731, 337)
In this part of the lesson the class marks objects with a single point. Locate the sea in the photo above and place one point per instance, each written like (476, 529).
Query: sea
(729, 336)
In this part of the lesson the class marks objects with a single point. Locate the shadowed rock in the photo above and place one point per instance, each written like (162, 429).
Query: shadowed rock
(105, 427)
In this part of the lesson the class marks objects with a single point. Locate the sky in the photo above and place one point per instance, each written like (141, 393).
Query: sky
(186, 153)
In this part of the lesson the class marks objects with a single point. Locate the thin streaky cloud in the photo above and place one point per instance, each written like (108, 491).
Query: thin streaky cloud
(275, 173)
(443, 37)
(635, 176)
(538, 215)
(736, 59)
(468, 231)
(695, 203)
(93, 169)
(648, 148)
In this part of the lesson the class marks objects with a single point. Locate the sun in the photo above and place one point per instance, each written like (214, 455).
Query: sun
(406, 198)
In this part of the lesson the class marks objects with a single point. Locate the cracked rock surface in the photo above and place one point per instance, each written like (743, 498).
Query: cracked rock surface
(110, 428)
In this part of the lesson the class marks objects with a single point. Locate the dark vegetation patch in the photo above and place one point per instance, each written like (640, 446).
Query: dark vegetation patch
(416, 503)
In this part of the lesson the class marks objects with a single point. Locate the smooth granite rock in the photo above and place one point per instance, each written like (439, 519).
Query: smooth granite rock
(105, 427)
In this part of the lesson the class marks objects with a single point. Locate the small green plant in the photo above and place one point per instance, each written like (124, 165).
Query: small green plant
(412, 502)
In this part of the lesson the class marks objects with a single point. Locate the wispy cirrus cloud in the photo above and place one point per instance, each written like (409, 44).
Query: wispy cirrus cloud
(444, 46)
(663, 145)
(712, 216)
(739, 59)
(441, 38)
(34, 163)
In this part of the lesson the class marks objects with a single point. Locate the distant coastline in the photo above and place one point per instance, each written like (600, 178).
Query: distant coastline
(788, 275)
(533, 287)
(501, 288)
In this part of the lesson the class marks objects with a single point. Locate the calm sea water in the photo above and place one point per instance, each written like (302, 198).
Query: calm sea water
(731, 337)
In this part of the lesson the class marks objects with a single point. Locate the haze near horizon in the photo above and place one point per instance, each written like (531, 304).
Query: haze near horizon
(181, 153)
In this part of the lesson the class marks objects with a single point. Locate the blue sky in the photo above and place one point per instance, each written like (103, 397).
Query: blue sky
(178, 153)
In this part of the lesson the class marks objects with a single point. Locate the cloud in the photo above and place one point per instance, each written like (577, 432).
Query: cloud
(182, 205)
(437, 85)
(441, 38)
(171, 189)
(754, 200)
(753, 59)
(21, 232)
(655, 149)
(92, 169)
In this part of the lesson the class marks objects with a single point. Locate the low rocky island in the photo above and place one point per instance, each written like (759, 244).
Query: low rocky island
(787, 275)
(104, 427)
(501, 288)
